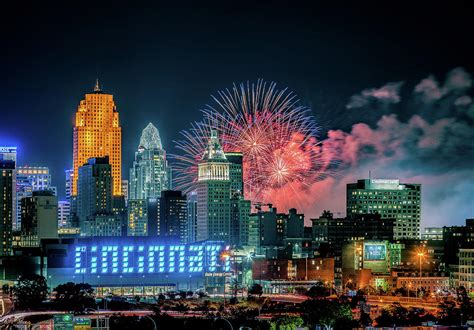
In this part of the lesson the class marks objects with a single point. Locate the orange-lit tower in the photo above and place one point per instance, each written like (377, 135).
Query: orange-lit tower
(97, 133)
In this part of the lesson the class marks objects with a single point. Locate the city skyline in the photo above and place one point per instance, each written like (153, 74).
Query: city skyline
(347, 98)
(236, 165)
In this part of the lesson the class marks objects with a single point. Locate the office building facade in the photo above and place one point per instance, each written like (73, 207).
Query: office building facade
(96, 206)
(172, 216)
(150, 173)
(390, 199)
(97, 133)
(137, 217)
(39, 218)
(64, 212)
(214, 194)
(28, 180)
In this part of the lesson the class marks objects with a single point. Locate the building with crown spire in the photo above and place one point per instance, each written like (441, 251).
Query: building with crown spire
(214, 194)
(149, 176)
(97, 133)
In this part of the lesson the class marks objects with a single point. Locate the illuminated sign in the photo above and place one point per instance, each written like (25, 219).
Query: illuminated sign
(139, 258)
(375, 252)
(7, 149)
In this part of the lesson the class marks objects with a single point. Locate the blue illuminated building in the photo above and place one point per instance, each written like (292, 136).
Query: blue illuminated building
(142, 265)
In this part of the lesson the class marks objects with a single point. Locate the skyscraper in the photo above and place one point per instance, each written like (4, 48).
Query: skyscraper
(95, 203)
(28, 180)
(7, 184)
(64, 210)
(172, 216)
(9, 153)
(39, 218)
(391, 199)
(97, 133)
(150, 173)
(213, 190)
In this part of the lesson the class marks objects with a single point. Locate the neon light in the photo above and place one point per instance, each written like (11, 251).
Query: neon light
(150, 259)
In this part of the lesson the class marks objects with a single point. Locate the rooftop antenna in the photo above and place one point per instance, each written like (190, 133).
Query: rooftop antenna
(97, 88)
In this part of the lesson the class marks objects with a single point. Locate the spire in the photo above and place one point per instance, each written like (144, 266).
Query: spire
(150, 138)
(97, 88)
(214, 149)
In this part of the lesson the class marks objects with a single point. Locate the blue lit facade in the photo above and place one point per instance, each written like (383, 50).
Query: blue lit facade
(143, 263)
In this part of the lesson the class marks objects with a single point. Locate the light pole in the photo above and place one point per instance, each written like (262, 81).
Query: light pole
(420, 255)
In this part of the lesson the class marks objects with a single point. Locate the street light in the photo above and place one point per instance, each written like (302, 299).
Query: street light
(420, 255)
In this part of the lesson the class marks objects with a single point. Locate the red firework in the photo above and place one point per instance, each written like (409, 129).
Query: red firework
(276, 135)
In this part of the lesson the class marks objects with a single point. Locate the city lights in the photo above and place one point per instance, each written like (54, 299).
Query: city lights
(128, 259)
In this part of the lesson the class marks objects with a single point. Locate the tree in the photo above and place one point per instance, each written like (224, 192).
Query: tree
(30, 291)
(6, 289)
(301, 290)
(400, 316)
(364, 320)
(448, 313)
(256, 289)
(318, 290)
(465, 306)
(74, 296)
(286, 322)
(327, 312)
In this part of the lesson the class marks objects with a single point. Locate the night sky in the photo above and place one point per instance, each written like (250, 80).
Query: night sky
(162, 62)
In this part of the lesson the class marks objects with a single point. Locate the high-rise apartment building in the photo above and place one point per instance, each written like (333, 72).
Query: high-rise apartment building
(172, 216)
(390, 199)
(213, 191)
(97, 133)
(28, 180)
(7, 185)
(39, 218)
(150, 173)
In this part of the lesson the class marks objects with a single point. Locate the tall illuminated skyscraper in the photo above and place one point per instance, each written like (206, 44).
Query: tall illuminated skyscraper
(150, 174)
(213, 194)
(97, 133)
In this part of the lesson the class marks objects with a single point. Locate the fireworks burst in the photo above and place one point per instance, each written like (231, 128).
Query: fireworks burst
(276, 135)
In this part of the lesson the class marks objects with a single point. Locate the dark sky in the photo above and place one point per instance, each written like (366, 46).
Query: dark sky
(161, 62)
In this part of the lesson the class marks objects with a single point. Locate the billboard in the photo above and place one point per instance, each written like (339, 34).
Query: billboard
(375, 251)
